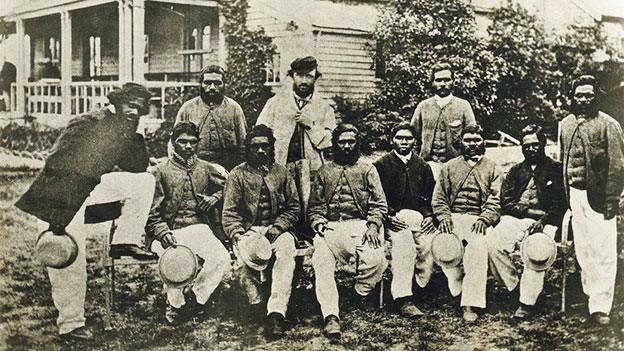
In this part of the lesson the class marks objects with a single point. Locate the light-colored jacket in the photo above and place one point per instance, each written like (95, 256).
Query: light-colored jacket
(279, 115)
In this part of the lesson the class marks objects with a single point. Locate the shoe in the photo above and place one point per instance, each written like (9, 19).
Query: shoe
(131, 250)
(365, 303)
(274, 326)
(79, 334)
(524, 312)
(172, 314)
(407, 309)
(600, 318)
(332, 327)
(469, 314)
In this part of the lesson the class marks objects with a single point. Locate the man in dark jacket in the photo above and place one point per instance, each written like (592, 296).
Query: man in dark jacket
(408, 183)
(91, 147)
(261, 198)
(592, 151)
(532, 200)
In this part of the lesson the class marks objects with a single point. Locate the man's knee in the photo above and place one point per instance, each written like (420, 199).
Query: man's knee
(285, 245)
(322, 256)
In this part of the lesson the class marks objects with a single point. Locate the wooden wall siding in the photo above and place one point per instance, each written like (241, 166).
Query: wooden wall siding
(164, 44)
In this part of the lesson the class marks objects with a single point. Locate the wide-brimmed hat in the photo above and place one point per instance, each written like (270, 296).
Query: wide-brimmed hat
(538, 251)
(447, 250)
(178, 266)
(255, 251)
(56, 250)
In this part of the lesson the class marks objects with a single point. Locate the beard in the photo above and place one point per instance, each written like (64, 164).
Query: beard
(348, 158)
(534, 158)
(590, 109)
(471, 151)
(261, 162)
(303, 90)
(210, 99)
(403, 151)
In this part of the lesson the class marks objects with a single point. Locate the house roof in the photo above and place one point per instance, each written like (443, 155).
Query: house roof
(323, 14)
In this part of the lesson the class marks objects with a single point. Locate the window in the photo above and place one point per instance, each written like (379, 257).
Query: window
(95, 56)
(272, 70)
(206, 42)
(380, 62)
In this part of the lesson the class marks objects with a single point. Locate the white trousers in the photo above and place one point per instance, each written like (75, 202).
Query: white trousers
(471, 281)
(595, 241)
(200, 239)
(411, 255)
(501, 243)
(284, 251)
(342, 243)
(69, 285)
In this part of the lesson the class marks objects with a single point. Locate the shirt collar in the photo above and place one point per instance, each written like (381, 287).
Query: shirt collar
(302, 101)
(403, 158)
(443, 101)
(111, 108)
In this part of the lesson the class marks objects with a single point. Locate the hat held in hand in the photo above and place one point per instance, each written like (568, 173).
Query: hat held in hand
(56, 250)
(178, 266)
(538, 251)
(447, 250)
(255, 251)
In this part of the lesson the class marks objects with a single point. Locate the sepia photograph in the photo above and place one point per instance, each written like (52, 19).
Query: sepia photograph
(312, 175)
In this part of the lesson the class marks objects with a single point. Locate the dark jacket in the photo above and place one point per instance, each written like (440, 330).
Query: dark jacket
(604, 157)
(90, 146)
(364, 183)
(242, 196)
(394, 175)
(550, 192)
(171, 180)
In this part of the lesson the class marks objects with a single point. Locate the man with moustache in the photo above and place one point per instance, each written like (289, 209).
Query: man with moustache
(592, 151)
(466, 203)
(532, 200)
(221, 122)
(408, 183)
(347, 209)
(261, 198)
(99, 157)
(440, 119)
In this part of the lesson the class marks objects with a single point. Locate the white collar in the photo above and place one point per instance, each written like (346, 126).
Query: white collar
(405, 158)
(443, 101)
(111, 108)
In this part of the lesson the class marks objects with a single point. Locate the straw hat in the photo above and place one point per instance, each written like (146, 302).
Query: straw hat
(255, 251)
(447, 250)
(56, 250)
(178, 266)
(538, 251)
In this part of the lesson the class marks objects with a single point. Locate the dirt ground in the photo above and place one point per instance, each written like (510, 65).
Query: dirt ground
(27, 315)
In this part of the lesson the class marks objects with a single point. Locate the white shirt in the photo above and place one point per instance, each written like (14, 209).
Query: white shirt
(442, 101)
(403, 158)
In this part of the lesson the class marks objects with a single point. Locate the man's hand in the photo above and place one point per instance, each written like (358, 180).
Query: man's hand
(206, 202)
(372, 236)
(536, 227)
(320, 228)
(446, 226)
(273, 233)
(427, 226)
(305, 120)
(168, 240)
(478, 227)
(396, 225)
(611, 210)
(535, 213)
(236, 238)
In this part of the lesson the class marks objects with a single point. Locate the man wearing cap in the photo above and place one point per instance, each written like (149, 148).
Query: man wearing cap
(221, 122)
(83, 169)
(532, 201)
(261, 200)
(187, 188)
(408, 183)
(466, 203)
(347, 209)
(592, 151)
(440, 119)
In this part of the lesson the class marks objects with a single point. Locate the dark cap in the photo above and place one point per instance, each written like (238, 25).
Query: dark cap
(127, 92)
(304, 64)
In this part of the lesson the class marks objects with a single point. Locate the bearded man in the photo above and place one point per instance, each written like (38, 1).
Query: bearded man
(221, 122)
(347, 209)
(592, 151)
(532, 200)
(466, 203)
(261, 198)
(408, 183)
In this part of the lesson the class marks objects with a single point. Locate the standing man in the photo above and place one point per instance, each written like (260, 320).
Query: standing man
(347, 209)
(186, 189)
(532, 200)
(221, 122)
(80, 172)
(592, 151)
(408, 183)
(466, 203)
(261, 198)
(440, 120)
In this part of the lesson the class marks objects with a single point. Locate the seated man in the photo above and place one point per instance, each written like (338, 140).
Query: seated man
(347, 208)
(465, 201)
(408, 183)
(532, 200)
(186, 189)
(261, 197)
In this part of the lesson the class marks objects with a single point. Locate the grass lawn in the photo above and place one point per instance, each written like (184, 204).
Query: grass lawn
(27, 315)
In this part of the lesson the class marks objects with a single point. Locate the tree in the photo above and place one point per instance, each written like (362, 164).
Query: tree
(414, 35)
(527, 84)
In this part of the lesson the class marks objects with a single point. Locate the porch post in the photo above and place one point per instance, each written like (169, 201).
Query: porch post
(20, 74)
(127, 41)
(66, 61)
(122, 40)
(222, 53)
(138, 40)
